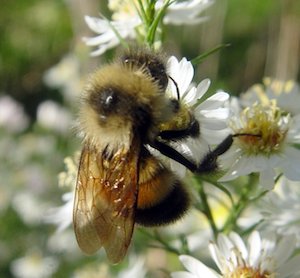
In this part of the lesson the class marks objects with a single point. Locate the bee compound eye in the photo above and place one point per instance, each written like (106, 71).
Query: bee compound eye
(109, 100)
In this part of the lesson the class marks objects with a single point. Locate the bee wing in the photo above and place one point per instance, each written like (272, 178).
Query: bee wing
(105, 201)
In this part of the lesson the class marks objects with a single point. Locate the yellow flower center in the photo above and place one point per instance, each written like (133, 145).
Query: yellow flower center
(248, 272)
(279, 87)
(262, 128)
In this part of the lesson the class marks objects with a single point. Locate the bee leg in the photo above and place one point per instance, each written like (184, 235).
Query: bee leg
(193, 130)
(168, 151)
(209, 162)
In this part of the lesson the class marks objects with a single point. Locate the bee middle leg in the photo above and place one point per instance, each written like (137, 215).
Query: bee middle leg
(207, 164)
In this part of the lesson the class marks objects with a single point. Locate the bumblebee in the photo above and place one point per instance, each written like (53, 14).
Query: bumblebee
(124, 110)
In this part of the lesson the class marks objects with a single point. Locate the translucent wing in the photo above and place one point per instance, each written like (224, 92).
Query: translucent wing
(105, 201)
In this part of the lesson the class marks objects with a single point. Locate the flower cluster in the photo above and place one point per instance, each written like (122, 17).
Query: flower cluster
(246, 213)
(134, 20)
(244, 219)
(261, 257)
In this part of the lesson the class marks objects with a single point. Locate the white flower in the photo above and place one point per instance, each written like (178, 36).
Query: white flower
(107, 31)
(127, 24)
(101, 270)
(280, 209)
(210, 113)
(263, 258)
(65, 243)
(34, 265)
(136, 268)
(196, 269)
(185, 12)
(65, 75)
(53, 116)
(286, 94)
(30, 209)
(267, 147)
(68, 178)
(12, 115)
(62, 215)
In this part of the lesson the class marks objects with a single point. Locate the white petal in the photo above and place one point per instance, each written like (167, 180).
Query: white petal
(182, 274)
(196, 267)
(202, 88)
(181, 72)
(284, 249)
(290, 166)
(254, 243)
(215, 101)
(98, 40)
(213, 124)
(239, 243)
(217, 256)
(97, 25)
(216, 114)
(98, 51)
(266, 178)
(190, 97)
(214, 136)
(242, 166)
(225, 245)
(293, 134)
(290, 267)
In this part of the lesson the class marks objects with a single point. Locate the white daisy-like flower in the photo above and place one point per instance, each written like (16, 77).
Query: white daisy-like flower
(280, 209)
(259, 258)
(107, 31)
(286, 94)
(53, 116)
(185, 12)
(267, 145)
(136, 268)
(126, 22)
(34, 265)
(12, 115)
(62, 216)
(30, 209)
(210, 113)
(100, 270)
(66, 76)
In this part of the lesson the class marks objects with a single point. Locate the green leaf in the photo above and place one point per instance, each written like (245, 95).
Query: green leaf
(199, 59)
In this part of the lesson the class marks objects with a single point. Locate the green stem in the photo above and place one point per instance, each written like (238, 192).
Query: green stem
(240, 205)
(220, 187)
(158, 238)
(206, 208)
(155, 21)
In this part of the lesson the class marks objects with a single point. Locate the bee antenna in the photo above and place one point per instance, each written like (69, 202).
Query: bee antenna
(176, 86)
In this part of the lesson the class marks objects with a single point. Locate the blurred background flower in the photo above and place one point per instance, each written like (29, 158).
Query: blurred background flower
(43, 65)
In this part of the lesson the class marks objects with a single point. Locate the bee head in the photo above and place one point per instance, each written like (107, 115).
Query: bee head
(116, 107)
(120, 101)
